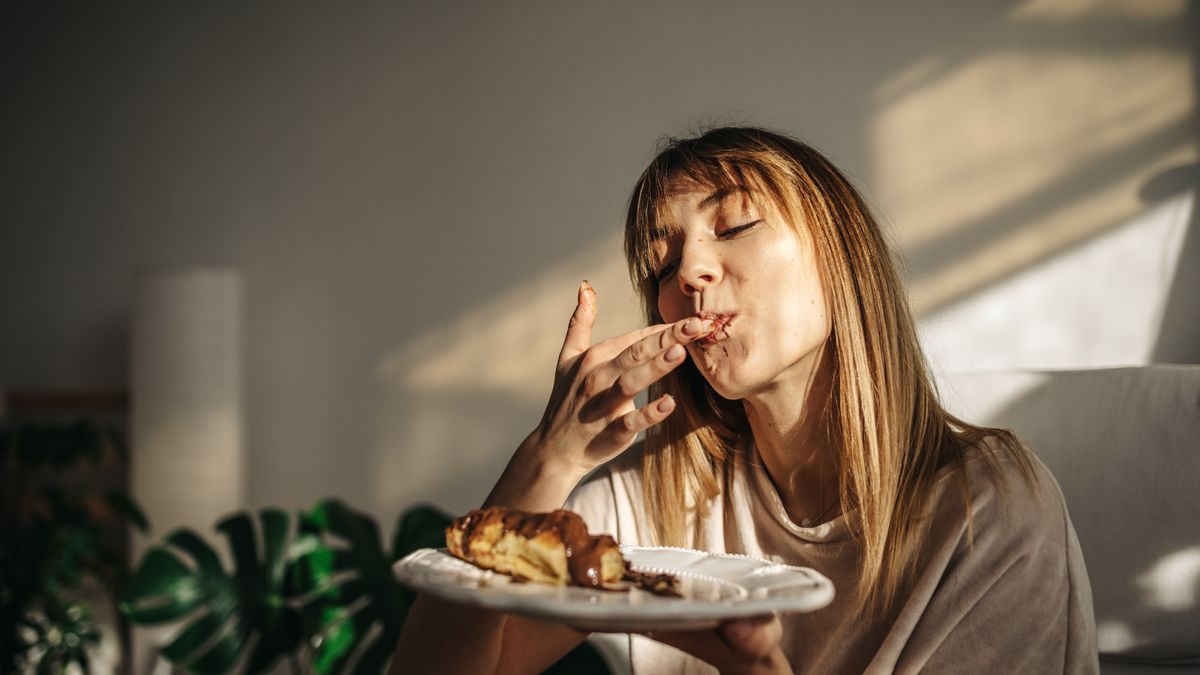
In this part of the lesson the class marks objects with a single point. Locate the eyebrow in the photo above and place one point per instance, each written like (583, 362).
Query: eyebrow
(705, 204)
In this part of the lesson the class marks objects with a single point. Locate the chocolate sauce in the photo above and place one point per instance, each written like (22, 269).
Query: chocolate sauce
(718, 331)
(584, 552)
(658, 583)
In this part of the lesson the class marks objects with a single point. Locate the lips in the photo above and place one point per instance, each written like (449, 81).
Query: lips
(721, 322)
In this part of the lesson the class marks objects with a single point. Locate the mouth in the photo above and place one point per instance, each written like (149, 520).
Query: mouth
(721, 322)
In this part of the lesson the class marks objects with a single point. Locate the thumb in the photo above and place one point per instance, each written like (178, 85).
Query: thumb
(579, 331)
(753, 637)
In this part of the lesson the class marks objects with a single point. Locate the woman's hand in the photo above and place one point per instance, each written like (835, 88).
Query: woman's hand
(740, 647)
(591, 416)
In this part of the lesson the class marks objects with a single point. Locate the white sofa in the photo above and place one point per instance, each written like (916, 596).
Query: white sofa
(1124, 445)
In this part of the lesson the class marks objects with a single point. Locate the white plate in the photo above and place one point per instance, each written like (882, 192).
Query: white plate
(714, 587)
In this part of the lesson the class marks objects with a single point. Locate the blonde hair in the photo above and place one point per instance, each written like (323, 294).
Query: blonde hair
(891, 434)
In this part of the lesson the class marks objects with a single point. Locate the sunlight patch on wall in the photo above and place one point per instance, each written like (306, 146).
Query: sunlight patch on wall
(1071, 9)
(976, 397)
(1098, 304)
(510, 344)
(995, 163)
(1020, 122)
(456, 400)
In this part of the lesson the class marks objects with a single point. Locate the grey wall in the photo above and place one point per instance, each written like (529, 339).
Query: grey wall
(395, 179)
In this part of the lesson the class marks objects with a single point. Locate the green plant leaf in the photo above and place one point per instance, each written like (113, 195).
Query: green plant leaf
(62, 630)
(162, 589)
(352, 588)
(230, 610)
(421, 526)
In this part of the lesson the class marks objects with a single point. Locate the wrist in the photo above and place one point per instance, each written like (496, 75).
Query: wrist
(535, 479)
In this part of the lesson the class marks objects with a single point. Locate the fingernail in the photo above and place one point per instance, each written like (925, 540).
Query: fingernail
(692, 327)
(675, 352)
(667, 404)
(587, 294)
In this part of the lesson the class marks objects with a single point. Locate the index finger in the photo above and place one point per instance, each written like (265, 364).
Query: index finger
(682, 332)
(579, 331)
(611, 347)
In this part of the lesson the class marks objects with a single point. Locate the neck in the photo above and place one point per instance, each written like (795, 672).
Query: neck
(790, 422)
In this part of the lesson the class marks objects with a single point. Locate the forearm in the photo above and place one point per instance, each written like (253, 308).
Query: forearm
(444, 638)
(435, 632)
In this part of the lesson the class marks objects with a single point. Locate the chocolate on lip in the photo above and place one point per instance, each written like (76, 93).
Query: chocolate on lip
(721, 321)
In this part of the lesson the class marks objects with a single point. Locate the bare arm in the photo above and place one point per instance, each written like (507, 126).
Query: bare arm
(590, 419)
(443, 637)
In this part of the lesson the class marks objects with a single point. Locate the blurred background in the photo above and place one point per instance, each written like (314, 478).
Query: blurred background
(376, 215)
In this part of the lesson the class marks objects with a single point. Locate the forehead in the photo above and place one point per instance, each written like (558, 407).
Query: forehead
(685, 200)
(698, 197)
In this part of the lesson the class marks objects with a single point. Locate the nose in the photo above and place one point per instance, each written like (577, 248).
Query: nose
(698, 270)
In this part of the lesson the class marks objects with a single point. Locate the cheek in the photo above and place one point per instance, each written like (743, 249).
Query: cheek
(799, 309)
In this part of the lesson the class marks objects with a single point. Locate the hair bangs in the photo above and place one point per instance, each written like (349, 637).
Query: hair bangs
(687, 165)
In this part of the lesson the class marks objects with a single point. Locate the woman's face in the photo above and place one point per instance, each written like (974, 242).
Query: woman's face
(739, 260)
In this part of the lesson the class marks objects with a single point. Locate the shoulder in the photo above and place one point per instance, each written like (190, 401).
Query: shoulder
(1012, 501)
(1011, 553)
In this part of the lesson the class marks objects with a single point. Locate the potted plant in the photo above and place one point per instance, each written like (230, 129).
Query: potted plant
(317, 591)
(53, 543)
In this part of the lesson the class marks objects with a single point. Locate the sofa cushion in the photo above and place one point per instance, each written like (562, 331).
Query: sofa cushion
(1124, 445)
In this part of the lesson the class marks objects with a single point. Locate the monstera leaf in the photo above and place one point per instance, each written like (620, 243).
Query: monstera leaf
(346, 578)
(331, 589)
(231, 610)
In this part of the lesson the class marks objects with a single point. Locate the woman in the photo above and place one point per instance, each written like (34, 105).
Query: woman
(805, 430)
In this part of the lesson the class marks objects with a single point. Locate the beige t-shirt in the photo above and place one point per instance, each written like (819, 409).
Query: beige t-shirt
(1017, 601)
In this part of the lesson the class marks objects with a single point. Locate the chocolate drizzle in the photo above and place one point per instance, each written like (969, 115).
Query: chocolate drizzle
(658, 583)
(718, 331)
(584, 552)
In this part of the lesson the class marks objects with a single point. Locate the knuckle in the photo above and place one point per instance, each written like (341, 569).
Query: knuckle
(638, 352)
(588, 360)
(591, 384)
(626, 386)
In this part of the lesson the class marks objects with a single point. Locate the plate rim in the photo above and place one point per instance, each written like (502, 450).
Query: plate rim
(691, 614)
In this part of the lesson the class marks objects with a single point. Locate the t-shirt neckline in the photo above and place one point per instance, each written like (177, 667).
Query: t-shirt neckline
(830, 531)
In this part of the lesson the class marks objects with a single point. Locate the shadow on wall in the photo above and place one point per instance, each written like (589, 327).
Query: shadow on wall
(458, 399)
(1179, 336)
(994, 150)
(1043, 239)
(995, 155)
(1122, 444)
(1179, 333)
(1179, 339)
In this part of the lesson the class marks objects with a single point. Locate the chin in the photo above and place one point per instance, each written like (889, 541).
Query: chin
(727, 384)
(723, 367)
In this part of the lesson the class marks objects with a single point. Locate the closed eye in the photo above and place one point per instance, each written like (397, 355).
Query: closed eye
(734, 231)
(669, 269)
